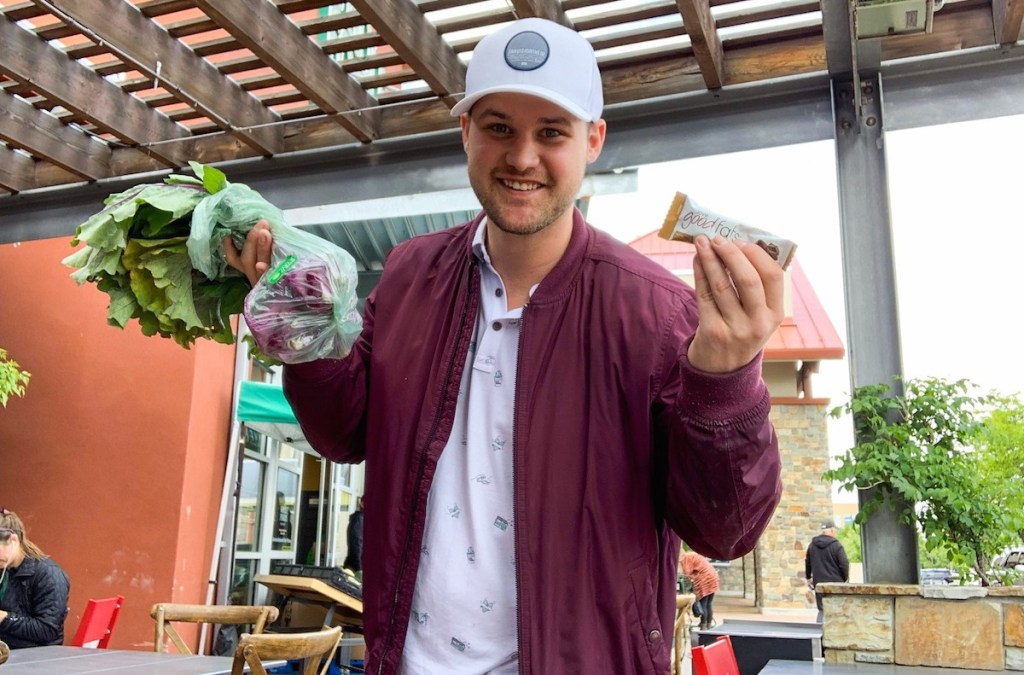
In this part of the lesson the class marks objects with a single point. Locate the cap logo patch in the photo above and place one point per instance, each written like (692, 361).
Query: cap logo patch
(527, 51)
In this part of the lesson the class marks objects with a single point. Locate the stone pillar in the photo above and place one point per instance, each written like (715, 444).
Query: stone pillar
(806, 501)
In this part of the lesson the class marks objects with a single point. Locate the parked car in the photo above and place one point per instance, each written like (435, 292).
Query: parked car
(1008, 567)
(1010, 559)
(938, 575)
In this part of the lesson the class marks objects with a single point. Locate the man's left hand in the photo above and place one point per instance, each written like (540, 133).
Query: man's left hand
(739, 300)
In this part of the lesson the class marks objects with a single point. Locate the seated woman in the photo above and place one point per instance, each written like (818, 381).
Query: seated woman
(33, 589)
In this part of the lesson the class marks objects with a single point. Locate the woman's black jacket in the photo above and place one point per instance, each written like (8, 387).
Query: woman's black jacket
(36, 602)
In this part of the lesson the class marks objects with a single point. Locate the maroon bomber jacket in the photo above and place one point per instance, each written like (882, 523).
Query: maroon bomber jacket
(620, 447)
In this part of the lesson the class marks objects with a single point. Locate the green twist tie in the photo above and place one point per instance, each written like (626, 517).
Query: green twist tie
(281, 269)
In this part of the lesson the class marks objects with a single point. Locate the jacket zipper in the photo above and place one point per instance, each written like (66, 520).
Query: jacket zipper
(515, 474)
(420, 468)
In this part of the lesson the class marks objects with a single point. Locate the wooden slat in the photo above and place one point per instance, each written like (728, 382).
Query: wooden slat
(144, 44)
(28, 59)
(419, 44)
(17, 172)
(706, 44)
(767, 13)
(279, 43)
(542, 9)
(22, 11)
(331, 22)
(1008, 17)
(619, 17)
(45, 136)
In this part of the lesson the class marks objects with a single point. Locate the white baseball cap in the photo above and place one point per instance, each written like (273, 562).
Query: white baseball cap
(540, 58)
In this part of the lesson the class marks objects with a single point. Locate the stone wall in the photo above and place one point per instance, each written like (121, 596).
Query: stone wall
(944, 626)
(806, 501)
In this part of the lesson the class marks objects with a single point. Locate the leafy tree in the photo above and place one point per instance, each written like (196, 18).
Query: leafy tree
(12, 378)
(849, 537)
(919, 446)
(1000, 447)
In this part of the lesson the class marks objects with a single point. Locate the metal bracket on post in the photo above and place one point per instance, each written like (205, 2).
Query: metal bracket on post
(854, 67)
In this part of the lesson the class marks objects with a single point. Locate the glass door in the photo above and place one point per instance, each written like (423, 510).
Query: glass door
(267, 522)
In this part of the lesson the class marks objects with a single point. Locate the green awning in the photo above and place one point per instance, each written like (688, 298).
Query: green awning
(263, 402)
(263, 407)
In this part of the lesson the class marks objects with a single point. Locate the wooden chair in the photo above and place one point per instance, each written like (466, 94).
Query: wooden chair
(97, 623)
(716, 658)
(312, 648)
(164, 613)
(684, 616)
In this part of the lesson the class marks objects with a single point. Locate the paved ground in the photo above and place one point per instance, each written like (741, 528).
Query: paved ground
(740, 608)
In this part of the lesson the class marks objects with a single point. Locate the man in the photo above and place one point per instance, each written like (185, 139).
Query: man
(541, 414)
(354, 539)
(825, 561)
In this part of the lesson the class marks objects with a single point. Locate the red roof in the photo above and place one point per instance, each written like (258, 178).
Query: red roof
(807, 335)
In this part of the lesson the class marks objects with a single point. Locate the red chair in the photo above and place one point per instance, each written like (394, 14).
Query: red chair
(98, 623)
(716, 658)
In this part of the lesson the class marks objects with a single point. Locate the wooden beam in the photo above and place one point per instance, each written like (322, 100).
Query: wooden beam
(419, 44)
(143, 43)
(40, 133)
(29, 60)
(1008, 16)
(707, 45)
(17, 171)
(552, 11)
(280, 44)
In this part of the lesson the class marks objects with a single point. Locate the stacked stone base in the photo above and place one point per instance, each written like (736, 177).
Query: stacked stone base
(941, 626)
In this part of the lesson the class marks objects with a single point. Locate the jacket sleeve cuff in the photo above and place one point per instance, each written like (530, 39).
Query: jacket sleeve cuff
(722, 397)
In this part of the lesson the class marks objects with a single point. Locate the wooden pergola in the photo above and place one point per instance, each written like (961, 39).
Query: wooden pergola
(99, 89)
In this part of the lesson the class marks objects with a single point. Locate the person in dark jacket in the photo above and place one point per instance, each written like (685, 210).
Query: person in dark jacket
(825, 561)
(354, 535)
(33, 589)
(543, 411)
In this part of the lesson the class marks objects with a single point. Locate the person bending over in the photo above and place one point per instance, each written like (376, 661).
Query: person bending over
(33, 589)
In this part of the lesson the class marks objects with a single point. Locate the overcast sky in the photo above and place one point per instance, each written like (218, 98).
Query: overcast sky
(958, 231)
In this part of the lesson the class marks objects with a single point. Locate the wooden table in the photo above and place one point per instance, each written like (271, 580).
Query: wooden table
(787, 667)
(63, 660)
(349, 610)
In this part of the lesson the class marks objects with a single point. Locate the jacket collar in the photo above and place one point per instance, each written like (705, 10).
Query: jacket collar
(27, 567)
(561, 277)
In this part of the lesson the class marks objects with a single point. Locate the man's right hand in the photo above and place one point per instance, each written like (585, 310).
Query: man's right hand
(254, 258)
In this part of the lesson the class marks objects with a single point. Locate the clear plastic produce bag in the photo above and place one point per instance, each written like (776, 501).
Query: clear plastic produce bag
(304, 307)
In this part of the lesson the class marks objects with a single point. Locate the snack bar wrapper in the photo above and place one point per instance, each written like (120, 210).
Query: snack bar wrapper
(686, 220)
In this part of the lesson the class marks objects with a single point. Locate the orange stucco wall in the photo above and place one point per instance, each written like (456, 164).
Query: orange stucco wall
(115, 457)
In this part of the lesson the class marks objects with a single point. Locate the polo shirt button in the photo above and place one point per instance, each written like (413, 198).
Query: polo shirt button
(498, 292)
(654, 635)
(496, 325)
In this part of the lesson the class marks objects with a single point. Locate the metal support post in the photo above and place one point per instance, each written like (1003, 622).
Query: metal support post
(889, 547)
